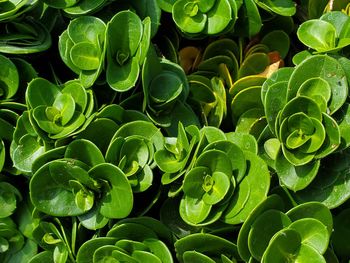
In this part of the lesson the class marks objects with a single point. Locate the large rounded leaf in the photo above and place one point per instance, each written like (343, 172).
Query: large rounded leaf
(258, 179)
(313, 233)
(263, 229)
(327, 68)
(317, 34)
(271, 202)
(117, 198)
(50, 191)
(332, 184)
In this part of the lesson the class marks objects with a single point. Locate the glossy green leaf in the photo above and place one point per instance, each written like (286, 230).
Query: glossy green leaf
(46, 89)
(188, 17)
(27, 151)
(283, 245)
(85, 56)
(254, 64)
(249, 22)
(9, 78)
(259, 181)
(84, 7)
(246, 142)
(296, 177)
(245, 100)
(85, 252)
(280, 7)
(195, 257)
(118, 196)
(281, 75)
(263, 229)
(327, 68)
(317, 34)
(271, 202)
(122, 65)
(277, 40)
(312, 232)
(331, 184)
(219, 16)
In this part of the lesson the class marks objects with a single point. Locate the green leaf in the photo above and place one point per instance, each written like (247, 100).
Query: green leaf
(294, 177)
(193, 211)
(117, 201)
(317, 34)
(331, 185)
(283, 246)
(263, 229)
(51, 196)
(193, 185)
(312, 232)
(327, 68)
(216, 161)
(65, 104)
(9, 78)
(271, 202)
(9, 196)
(85, 151)
(280, 7)
(187, 16)
(259, 181)
(237, 158)
(254, 64)
(122, 41)
(84, 7)
(41, 92)
(219, 16)
(219, 189)
(314, 210)
(86, 29)
(249, 22)
(245, 141)
(26, 152)
(85, 56)
(277, 40)
(195, 257)
(86, 251)
(307, 253)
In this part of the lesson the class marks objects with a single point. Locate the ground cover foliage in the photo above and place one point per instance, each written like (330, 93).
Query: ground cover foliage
(174, 131)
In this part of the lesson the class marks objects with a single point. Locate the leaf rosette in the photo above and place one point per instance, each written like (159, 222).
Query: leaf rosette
(217, 181)
(305, 108)
(270, 234)
(132, 240)
(60, 110)
(132, 149)
(81, 184)
(174, 159)
(329, 33)
(82, 48)
(127, 40)
(199, 17)
(166, 105)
